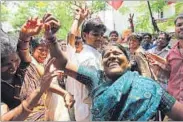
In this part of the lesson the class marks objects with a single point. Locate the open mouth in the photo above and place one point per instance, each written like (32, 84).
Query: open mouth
(42, 58)
(12, 71)
(113, 64)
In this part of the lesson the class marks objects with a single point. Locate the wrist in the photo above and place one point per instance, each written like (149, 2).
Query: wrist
(23, 45)
(25, 106)
(51, 39)
(67, 93)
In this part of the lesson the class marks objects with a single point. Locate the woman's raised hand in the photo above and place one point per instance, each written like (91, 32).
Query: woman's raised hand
(47, 77)
(30, 28)
(51, 25)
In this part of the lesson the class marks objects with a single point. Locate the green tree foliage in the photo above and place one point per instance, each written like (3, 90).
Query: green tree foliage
(62, 10)
(143, 22)
(5, 10)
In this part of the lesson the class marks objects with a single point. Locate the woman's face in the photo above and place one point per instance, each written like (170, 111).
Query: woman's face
(9, 65)
(40, 53)
(134, 44)
(115, 62)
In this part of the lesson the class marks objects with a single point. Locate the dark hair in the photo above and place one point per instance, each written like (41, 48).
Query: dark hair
(123, 49)
(168, 38)
(135, 36)
(147, 34)
(113, 32)
(78, 38)
(8, 44)
(91, 24)
(35, 42)
(180, 16)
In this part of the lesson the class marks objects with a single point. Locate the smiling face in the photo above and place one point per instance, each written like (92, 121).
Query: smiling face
(9, 65)
(179, 28)
(113, 37)
(115, 62)
(40, 53)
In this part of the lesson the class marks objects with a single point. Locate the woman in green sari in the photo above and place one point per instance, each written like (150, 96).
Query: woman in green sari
(117, 93)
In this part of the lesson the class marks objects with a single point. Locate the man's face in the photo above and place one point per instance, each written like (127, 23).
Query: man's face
(179, 28)
(94, 38)
(79, 46)
(147, 39)
(9, 65)
(113, 37)
(161, 41)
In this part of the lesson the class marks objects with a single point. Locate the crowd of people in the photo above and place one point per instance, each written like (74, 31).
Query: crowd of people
(90, 76)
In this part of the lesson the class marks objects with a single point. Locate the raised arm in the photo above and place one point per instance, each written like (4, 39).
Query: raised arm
(61, 57)
(31, 28)
(80, 15)
(131, 22)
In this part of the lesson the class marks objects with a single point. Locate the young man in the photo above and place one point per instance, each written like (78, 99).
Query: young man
(173, 65)
(147, 43)
(92, 32)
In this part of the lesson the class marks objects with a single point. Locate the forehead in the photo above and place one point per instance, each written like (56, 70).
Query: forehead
(113, 34)
(9, 57)
(179, 20)
(146, 36)
(111, 49)
(161, 35)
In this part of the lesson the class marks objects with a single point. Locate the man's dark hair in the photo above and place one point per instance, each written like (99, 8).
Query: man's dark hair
(115, 32)
(91, 24)
(180, 16)
(147, 34)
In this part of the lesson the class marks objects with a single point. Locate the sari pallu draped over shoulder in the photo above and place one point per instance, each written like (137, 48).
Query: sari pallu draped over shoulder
(130, 97)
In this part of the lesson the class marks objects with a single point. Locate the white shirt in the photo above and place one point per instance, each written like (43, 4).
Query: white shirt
(89, 57)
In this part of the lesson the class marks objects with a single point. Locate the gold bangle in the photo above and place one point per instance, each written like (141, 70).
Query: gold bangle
(24, 106)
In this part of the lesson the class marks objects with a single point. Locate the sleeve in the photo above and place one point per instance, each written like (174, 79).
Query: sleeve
(88, 76)
(166, 103)
(143, 65)
(22, 69)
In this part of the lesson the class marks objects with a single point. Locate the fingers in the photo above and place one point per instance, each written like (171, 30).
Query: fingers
(47, 68)
(46, 16)
(50, 18)
(38, 29)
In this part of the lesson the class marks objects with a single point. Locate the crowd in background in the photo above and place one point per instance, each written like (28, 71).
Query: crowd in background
(90, 75)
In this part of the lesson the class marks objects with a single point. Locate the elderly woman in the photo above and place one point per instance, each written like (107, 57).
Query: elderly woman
(127, 95)
(12, 74)
(118, 93)
(36, 69)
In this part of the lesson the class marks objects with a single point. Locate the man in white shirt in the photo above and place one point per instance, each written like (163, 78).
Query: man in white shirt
(91, 33)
